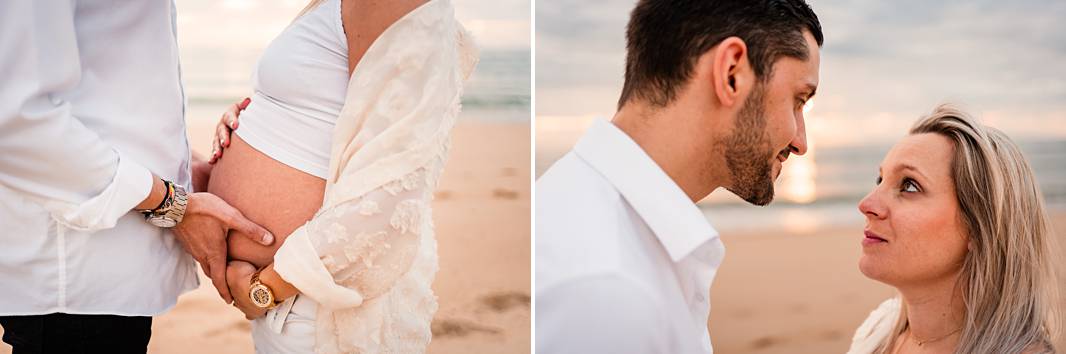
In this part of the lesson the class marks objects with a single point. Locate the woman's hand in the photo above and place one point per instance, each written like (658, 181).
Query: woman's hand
(204, 229)
(239, 277)
(225, 127)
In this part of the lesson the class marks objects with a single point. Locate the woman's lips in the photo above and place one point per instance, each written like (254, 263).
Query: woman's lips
(872, 238)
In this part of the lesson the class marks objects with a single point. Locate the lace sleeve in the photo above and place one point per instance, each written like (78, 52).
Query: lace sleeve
(368, 243)
(388, 151)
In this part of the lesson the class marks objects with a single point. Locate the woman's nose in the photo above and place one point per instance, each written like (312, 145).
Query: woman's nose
(871, 206)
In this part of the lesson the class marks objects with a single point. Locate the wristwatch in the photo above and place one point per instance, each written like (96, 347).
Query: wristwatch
(260, 293)
(171, 210)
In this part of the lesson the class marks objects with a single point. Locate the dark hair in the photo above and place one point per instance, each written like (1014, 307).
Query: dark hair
(665, 38)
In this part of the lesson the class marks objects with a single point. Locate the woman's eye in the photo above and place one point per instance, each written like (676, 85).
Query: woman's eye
(909, 186)
(878, 180)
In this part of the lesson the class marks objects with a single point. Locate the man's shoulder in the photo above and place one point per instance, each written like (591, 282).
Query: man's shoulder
(575, 203)
(582, 226)
(572, 185)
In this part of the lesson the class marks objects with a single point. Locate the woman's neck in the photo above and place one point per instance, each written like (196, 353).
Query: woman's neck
(935, 313)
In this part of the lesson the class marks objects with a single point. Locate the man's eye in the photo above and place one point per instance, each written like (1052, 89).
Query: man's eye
(909, 186)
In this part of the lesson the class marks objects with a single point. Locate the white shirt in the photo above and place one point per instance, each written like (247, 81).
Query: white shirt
(625, 259)
(91, 104)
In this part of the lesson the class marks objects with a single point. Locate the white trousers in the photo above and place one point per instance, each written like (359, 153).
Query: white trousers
(287, 328)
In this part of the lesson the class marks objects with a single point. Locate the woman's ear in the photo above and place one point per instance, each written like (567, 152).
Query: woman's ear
(731, 73)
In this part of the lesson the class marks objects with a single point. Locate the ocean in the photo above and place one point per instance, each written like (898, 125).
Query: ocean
(217, 76)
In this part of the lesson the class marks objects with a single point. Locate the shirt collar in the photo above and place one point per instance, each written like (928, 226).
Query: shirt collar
(674, 219)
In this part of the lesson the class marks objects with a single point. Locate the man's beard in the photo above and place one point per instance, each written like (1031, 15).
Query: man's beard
(747, 151)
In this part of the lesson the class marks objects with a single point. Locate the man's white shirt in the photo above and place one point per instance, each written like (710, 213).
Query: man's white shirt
(91, 104)
(624, 258)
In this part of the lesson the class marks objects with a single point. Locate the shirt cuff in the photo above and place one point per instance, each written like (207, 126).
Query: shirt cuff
(298, 263)
(131, 185)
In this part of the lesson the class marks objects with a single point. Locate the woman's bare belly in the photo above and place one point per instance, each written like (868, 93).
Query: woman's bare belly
(275, 196)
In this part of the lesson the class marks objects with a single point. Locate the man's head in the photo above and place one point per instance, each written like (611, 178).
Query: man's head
(734, 75)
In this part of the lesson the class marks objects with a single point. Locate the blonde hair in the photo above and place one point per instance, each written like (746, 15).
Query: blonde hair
(1007, 279)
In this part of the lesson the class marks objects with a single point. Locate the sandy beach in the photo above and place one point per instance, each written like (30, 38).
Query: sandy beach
(800, 292)
(481, 213)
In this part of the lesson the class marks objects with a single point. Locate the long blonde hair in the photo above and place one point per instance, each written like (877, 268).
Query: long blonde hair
(1008, 276)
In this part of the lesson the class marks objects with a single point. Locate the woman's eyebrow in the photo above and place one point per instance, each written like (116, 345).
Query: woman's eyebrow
(909, 167)
(901, 167)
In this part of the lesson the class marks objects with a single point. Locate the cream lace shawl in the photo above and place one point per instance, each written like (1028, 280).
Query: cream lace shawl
(368, 257)
(877, 327)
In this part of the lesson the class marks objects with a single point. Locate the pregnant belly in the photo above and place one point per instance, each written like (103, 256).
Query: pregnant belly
(275, 196)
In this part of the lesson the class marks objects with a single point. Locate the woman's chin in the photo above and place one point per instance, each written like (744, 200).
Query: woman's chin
(872, 268)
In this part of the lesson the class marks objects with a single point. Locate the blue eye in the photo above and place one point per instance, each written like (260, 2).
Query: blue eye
(909, 186)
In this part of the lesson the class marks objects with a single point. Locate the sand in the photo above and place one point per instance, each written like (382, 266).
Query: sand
(781, 292)
(481, 213)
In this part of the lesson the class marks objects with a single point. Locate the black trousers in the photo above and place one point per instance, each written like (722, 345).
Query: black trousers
(65, 333)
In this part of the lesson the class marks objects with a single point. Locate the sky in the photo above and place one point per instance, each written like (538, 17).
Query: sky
(884, 63)
(220, 42)
(498, 24)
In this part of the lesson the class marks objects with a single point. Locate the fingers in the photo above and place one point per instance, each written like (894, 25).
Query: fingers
(253, 231)
(225, 127)
(232, 116)
(216, 148)
(236, 221)
(233, 275)
(241, 267)
(231, 218)
(222, 133)
(222, 140)
(217, 273)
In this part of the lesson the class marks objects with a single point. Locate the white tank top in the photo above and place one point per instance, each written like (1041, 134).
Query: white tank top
(300, 84)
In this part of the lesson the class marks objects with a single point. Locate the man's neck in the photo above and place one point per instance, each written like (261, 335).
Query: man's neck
(662, 134)
(935, 312)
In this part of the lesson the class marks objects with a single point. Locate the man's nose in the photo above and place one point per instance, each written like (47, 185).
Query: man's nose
(798, 145)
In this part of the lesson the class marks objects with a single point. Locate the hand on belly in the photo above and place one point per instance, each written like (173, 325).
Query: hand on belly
(267, 192)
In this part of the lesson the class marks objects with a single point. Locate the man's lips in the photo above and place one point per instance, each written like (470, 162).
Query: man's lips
(871, 237)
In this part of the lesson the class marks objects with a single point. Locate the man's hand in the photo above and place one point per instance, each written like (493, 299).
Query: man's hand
(239, 277)
(203, 231)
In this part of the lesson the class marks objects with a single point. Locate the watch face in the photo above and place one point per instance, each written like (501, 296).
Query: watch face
(162, 222)
(261, 296)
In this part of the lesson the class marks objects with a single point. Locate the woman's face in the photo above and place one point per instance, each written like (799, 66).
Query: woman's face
(914, 232)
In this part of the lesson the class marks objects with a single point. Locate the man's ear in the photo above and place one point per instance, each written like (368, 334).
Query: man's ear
(731, 73)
